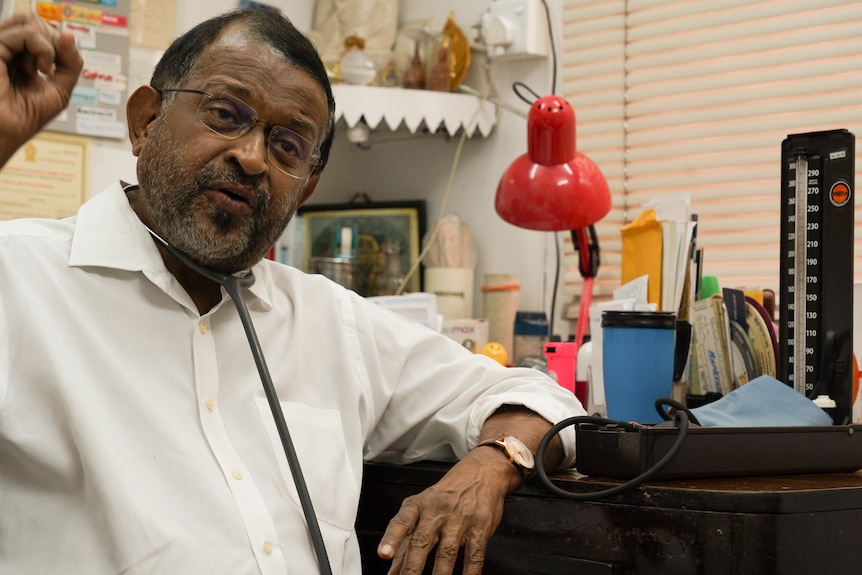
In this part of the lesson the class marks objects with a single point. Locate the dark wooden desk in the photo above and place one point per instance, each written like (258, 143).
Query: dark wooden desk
(792, 525)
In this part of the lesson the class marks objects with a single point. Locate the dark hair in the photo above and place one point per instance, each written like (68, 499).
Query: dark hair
(265, 24)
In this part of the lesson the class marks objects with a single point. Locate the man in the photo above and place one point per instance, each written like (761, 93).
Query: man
(134, 433)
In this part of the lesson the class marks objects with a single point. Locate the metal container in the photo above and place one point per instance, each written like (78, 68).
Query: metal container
(344, 271)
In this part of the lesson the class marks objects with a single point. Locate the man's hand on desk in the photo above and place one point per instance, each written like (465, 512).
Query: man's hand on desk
(465, 507)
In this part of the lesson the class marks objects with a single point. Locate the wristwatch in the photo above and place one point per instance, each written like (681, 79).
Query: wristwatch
(518, 453)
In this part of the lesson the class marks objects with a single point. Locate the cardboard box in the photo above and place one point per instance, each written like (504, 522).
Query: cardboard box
(471, 333)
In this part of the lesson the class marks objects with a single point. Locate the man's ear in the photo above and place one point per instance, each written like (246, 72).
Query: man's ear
(142, 110)
(309, 188)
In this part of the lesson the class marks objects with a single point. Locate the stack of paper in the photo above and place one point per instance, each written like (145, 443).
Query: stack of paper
(418, 306)
(660, 244)
(674, 213)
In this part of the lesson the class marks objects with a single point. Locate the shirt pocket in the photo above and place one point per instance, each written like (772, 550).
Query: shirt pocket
(320, 445)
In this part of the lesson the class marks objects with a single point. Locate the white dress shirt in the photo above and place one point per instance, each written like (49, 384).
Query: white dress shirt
(135, 436)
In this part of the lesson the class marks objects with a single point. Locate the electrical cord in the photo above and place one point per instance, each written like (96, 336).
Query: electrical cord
(445, 201)
(233, 285)
(681, 416)
(675, 406)
(443, 204)
(519, 87)
(500, 104)
(553, 48)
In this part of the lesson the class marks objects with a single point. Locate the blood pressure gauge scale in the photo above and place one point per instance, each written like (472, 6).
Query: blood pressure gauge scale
(816, 294)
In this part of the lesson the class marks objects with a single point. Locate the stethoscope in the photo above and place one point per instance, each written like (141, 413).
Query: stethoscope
(233, 286)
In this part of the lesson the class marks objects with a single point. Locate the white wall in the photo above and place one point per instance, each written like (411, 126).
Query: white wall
(419, 168)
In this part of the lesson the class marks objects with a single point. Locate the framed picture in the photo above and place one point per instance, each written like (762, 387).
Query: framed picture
(367, 247)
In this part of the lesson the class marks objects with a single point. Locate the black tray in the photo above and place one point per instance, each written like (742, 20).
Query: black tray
(610, 451)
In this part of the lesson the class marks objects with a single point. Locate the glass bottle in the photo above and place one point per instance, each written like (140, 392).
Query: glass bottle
(357, 67)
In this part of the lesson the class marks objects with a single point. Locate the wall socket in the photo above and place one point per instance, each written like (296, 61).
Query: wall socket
(515, 29)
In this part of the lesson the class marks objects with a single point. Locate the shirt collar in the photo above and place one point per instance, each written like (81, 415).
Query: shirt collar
(109, 234)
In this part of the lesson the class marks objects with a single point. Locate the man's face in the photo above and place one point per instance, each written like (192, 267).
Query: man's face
(221, 200)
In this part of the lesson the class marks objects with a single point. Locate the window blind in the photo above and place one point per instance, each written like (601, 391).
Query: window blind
(696, 96)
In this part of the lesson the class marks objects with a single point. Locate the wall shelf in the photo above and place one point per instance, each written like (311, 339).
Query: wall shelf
(413, 109)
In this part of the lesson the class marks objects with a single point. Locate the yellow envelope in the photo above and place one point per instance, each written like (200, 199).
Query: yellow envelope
(642, 240)
(756, 294)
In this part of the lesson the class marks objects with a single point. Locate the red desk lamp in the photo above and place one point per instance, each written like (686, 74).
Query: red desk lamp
(553, 187)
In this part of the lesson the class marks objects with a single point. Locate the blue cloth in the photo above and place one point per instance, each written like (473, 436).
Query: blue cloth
(763, 401)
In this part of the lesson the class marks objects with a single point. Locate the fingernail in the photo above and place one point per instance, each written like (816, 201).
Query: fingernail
(385, 550)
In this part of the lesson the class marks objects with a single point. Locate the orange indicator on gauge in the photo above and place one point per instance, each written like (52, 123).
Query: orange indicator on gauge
(840, 193)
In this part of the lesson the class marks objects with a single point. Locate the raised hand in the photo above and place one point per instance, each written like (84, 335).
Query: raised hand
(38, 69)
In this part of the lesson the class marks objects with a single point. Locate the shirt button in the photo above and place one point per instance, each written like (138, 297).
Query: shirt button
(209, 403)
(237, 474)
(267, 547)
(202, 326)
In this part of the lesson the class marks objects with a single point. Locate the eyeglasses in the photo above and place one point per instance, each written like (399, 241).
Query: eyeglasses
(231, 117)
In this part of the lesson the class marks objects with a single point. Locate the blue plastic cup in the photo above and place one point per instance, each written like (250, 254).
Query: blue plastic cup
(638, 358)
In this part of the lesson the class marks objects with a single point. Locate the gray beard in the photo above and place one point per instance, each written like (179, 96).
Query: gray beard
(177, 216)
(176, 207)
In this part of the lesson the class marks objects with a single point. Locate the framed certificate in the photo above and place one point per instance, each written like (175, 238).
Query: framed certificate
(46, 178)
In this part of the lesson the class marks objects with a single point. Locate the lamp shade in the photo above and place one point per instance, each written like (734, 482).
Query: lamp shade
(552, 187)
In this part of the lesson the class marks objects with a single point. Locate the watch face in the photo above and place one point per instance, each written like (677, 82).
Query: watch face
(520, 452)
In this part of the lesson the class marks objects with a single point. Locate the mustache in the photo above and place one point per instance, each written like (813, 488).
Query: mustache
(206, 176)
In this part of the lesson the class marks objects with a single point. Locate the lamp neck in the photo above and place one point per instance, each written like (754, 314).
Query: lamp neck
(551, 131)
